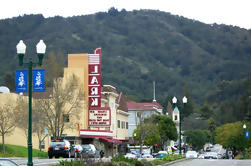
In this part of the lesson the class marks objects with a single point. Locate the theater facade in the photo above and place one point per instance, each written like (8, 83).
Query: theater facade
(103, 120)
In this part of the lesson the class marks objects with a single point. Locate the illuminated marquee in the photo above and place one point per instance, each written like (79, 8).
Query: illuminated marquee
(95, 79)
(100, 117)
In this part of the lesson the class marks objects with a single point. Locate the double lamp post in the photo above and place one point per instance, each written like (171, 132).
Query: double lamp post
(184, 100)
(21, 48)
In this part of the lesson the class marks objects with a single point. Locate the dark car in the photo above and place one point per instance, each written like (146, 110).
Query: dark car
(60, 148)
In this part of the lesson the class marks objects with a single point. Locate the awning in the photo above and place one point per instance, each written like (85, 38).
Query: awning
(110, 140)
(96, 133)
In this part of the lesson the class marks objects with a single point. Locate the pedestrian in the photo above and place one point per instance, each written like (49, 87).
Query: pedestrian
(101, 154)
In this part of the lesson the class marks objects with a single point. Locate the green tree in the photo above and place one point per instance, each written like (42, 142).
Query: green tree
(166, 128)
(197, 138)
(211, 128)
(231, 135)
(158, 129)
(9, 80)
(206, 112)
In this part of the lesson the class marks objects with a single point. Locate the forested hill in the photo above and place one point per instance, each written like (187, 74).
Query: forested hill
(138, 47)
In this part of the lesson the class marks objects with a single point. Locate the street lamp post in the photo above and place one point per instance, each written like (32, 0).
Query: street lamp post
(21, 48)
(184, 100)
(244, 128)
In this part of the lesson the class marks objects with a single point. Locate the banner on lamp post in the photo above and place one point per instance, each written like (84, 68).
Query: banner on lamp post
(21, 81)
(38, 80)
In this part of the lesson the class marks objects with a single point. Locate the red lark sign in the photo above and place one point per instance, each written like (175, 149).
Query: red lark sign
(95, 79)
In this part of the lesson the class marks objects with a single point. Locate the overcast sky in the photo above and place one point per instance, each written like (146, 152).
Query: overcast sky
(230, 12)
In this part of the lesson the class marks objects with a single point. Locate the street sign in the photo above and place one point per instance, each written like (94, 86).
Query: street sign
(247, 134)
(21, 81)
(38, 80)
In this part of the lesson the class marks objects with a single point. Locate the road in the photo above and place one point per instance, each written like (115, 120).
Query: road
(213, 162)
(45, 162)
(36, 162)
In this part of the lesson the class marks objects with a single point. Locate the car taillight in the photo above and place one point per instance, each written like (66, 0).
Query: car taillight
(49, 147)
(65, 147)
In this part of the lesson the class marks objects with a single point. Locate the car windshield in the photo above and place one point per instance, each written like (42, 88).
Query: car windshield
(57, 143)
(86, 146)
(162, 152)
(191, 152)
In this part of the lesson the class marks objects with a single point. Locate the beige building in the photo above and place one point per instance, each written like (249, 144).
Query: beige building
(111, 135)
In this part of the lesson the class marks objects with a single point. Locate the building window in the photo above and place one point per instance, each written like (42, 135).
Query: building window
(118, 123)
(175, 117)
(66, 118)
(123, 124)
(126, 125)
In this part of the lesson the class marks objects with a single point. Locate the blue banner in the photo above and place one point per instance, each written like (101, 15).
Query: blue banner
(21, 81)
(247, 134)
(38, 80)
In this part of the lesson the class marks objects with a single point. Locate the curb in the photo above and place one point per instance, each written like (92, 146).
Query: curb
(173, 162)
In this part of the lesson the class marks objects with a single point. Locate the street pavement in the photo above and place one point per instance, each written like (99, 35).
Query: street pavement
(45, 162)
(213, 162)
(36, 161)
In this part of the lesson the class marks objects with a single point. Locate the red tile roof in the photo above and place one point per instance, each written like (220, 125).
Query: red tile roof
(131, 105)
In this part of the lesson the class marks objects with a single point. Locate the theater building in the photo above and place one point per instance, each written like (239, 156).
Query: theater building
(103, 120)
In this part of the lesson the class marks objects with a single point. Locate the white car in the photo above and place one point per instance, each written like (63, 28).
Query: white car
(191, 154)
(146, 155)
(201, 156)
(78, 150)
(130, 155)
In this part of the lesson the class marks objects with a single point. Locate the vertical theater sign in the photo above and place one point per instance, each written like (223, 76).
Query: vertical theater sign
(98, 116)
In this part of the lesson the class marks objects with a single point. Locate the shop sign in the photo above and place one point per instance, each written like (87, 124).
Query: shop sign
(100, 117)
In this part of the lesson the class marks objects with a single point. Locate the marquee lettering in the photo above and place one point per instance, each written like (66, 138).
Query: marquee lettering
(94, 102)
(95, 69)
(94, 80)
(94, 91)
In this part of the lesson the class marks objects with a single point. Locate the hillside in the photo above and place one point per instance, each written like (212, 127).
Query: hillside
(138, 47)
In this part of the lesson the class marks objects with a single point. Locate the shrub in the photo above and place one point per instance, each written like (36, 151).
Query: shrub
(105, 164)
(70, 163)
(123, 163)
(158, 162)
(122, 158)
(144, 162)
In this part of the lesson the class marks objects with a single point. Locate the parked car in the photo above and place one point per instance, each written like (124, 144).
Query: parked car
(130, 155)
(211, 155)
(7, 162)
(201, 156)
(136, 153)
(78, 149)
(89, 150)
(60, 148)
(191, 154)
(161, 154)
(146, 155)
